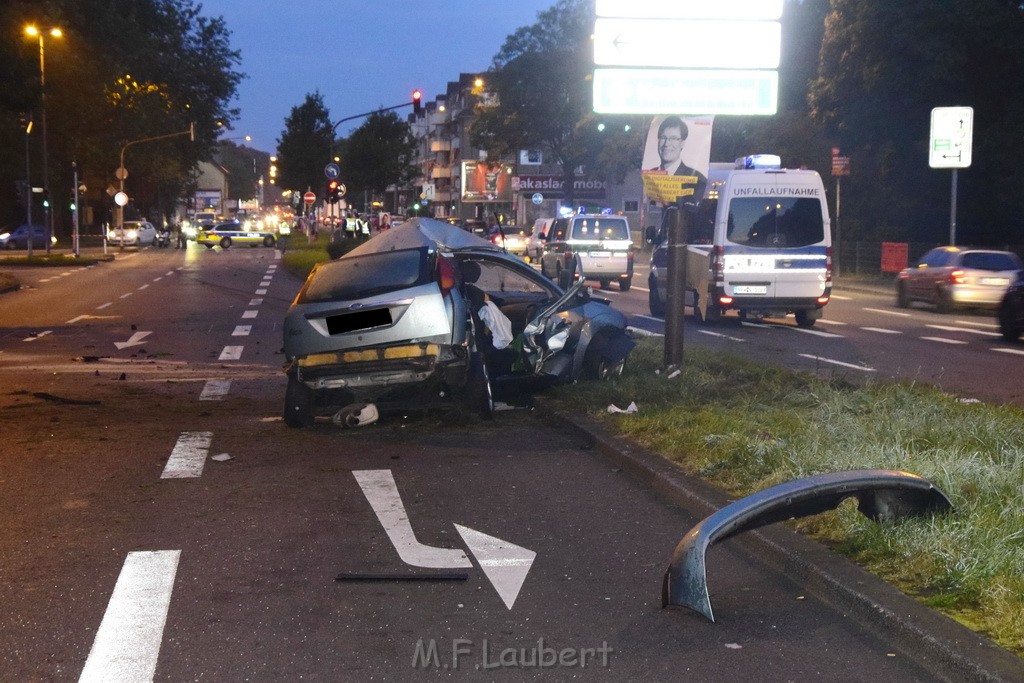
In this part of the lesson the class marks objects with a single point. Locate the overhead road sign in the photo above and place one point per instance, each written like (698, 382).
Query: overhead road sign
(950, 140)
(685, 91)
(708, 44)
(691, 9)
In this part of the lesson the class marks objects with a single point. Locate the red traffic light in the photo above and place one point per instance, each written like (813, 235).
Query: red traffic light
(417, 101)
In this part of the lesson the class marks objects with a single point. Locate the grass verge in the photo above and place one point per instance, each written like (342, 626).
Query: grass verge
(745, 427)
(301, 254)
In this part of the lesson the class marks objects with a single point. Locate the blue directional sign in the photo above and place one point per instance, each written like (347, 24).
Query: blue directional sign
(332, 171)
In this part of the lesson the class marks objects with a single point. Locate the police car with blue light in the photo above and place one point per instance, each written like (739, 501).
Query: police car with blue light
(231, 233)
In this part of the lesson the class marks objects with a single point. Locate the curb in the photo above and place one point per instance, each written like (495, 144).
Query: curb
(940, 645)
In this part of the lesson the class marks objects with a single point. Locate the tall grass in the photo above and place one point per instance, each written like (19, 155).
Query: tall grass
(745, 427)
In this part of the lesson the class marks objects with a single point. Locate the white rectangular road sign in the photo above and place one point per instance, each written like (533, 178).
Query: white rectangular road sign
(949, 144)
(687, 44)
(691, 9)
(685, 91)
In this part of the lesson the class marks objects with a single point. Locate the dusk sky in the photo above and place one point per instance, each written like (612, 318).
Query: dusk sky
(359, 55)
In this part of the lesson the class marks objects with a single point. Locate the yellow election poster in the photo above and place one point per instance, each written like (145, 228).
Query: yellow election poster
(676, 158)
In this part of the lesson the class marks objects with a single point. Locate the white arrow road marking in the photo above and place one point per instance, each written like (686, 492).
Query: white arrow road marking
(189, 456)
(505, 564)
(127, 643)
(215, 389)
(134, 340)
(380, 489)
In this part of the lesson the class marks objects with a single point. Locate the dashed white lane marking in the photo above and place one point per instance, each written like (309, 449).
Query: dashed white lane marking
(102, 306)
(723, 336)
(158, 279)
(642, 332)
(215, 389)
(842, 298)
(261, 292)
(250, 314)
(256, 302)
(816, 333)
(947, 328)
(231, 353)
(142, 287)
(125, 296)
(1018, 352)
(170, 272)
(127, 643)
(189, 456)
(825, 321)
(821, 359)
(975, 323)
(241, 331)
(47, 279)
(943, 340)
(881, 330)
(887, 312)
(37, 336)
(76, 319)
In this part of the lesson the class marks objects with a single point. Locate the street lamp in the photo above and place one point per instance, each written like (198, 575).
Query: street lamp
(32, 31)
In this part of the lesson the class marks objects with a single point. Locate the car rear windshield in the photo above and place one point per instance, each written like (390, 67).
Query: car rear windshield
(610, 228)
(774, 222)
(362, 276)
(988, 260)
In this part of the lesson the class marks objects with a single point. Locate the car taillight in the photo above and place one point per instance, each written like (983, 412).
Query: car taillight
(718, 265)
(957, 277)
(445, 274)
(828, 264)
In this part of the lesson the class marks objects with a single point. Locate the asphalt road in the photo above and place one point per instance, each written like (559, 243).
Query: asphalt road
(159, 520)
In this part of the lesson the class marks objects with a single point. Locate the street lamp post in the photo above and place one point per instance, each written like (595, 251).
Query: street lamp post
(56, 33)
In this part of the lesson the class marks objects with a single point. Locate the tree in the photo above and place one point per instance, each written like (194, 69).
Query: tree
(305, 145)
(883, 67)
(541, 82)
(378, 154)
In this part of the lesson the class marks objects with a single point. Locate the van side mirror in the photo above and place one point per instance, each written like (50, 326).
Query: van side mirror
(543, 236)
(653, 236)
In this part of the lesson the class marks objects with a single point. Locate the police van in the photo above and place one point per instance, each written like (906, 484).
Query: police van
(760, 244)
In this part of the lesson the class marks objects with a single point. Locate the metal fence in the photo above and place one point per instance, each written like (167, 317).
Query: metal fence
(865, 258)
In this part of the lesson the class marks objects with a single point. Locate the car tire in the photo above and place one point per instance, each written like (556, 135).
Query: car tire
(902, 298)
(804, 319)
(479, 394)
(625, 284)
(944, 302)
(1007, 327)
(268, 241)
(299, 404)
(655, 301)
(596, 366)
(225, 243)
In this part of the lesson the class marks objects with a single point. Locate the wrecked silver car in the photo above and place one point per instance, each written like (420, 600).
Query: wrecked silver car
(429, 310)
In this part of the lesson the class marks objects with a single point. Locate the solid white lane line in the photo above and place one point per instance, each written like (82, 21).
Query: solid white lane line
(994, 326)
(881, 329)
(887, 312)
(816, 333)
(231, 353)
(948, 328)
(942, 340)
(37, 336)
(642, 332)
(256, 302)
(127, 643)
(261, 292)
(723, 336)
(242, 331)
(189, 456)
(820, 359)
(215, 390)
(825, 321)
(250, 314)
(382, 493)
(102, 306)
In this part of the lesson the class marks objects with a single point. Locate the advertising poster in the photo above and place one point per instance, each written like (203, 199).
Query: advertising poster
(483, 182)
(676, 158)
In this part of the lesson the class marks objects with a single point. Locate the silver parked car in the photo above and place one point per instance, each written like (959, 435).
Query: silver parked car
(132, 234)
(402, 318)
(958, 277)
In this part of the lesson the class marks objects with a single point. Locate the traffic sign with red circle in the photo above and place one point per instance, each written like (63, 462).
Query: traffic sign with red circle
(309, 198)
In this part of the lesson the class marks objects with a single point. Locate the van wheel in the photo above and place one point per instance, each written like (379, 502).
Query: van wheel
(713, 315)
(654, 299)
(299, 404)
(625, 284)
(605, 284)
(804, 319)
(902, 299)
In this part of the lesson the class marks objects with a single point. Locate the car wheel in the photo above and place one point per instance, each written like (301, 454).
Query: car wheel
(478, 387)
(268, 241)
(625, 284)
(597, 366)
(944, 303)
(299, 403)
(225, 243)
(902, 299)
(804, 319)
(1007, 324)
(655, 301)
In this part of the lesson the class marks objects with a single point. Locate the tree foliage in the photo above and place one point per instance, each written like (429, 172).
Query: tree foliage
(378, 154)
(304, 147)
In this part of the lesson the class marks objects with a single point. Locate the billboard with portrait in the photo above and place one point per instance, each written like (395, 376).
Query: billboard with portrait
(484, 182)
(677, 155)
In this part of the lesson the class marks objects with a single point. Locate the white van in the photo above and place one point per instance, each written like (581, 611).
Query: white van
(770, 247)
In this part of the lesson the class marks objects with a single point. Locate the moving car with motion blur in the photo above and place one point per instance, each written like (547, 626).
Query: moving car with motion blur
(132, 234)
(18, 237)
(416, 314)
(958, 277)
(231, 233)
(1011, 309)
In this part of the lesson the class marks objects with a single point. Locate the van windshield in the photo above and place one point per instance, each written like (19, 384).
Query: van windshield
(610, 228)
(774, 222)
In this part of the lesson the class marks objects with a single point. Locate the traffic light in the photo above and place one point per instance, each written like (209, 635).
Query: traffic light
(417, 102)
(333, 195)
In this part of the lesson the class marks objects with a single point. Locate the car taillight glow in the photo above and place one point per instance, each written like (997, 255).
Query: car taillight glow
(445, 274)
(822, 300)
(957, 277)
(725, 300)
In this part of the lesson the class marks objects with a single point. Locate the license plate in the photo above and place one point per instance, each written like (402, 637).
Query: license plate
(600, 254)
(995, 281)
(750, 289)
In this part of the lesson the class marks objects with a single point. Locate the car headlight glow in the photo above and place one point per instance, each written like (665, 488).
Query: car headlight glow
(132, 234)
